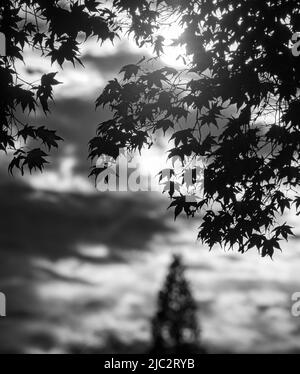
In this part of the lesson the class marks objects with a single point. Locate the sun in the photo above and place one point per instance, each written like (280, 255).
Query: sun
(172, 54)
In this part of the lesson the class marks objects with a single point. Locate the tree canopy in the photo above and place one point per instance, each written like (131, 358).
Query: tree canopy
(235, 106)
(240, 96)
(175, 327)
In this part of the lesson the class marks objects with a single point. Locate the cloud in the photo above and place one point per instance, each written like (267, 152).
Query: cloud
(51, 224)
(82, 272)
(50, 246)
(110, 65)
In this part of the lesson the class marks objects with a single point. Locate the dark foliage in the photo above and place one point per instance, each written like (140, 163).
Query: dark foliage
(55, 28)
(175, 327)
(235, 107)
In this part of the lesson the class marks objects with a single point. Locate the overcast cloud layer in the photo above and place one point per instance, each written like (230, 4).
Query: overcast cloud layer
(81, 270)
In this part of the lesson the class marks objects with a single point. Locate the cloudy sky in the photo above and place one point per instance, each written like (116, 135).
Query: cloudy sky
(81, 269)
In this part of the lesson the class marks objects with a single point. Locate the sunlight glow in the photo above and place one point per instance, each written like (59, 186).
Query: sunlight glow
(152, 161)
(172, 54)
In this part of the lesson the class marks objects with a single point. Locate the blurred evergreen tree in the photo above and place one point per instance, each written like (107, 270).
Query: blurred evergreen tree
(175, 326)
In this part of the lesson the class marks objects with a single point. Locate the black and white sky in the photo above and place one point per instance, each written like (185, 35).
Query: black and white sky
(81, 269)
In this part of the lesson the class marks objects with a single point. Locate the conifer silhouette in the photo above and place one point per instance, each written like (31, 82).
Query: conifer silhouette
(175, 326)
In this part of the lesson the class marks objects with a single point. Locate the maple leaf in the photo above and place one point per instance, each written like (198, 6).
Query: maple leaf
(130, 70)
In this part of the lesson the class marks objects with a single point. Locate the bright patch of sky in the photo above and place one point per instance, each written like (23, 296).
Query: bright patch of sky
(63, 178)
(243, 300)
(87, 83)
